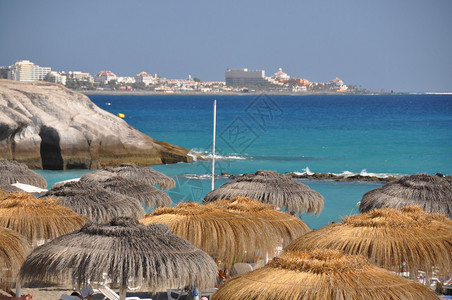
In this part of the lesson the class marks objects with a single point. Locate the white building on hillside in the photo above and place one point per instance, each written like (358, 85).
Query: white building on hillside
(56, 77)
(125, 80)
(105, 77)
(145, 78)
(80, 76)
(281, 76)
(339, 85)
(25, 70)
(244, 76)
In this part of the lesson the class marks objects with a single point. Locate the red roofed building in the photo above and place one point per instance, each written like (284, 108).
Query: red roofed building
(337, 81)
(105, 76)
(145, 78)
(280, 76)
(339, 85)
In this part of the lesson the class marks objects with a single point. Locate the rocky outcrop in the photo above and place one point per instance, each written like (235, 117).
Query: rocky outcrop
(47, 126)
(343, 178)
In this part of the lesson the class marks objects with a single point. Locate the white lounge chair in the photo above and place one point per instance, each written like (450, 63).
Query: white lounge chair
(69, 297)
(112, 295)
(175, 294)
(241, 268)
(207, 292)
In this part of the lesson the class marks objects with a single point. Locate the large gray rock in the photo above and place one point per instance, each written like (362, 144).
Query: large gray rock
(48, 126)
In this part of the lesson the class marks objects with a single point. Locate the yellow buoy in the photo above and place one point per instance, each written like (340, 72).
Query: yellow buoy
(121, 115)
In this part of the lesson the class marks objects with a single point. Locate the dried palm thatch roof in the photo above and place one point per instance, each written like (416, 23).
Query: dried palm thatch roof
(124, 250)
(39, 220)
(96, 203)
(433, 193)
(12, 171)
(226, 236)
(321, 275)
(272, 188)
(390, 238)
(145, 193)
(13, 249)
(131, 171)
(288, 227)
(3, 194)
(10, 188)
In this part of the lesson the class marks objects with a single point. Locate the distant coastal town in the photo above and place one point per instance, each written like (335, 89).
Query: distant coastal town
(236, 81)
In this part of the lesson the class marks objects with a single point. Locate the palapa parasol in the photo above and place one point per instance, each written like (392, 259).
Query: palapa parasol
(145, 193)
(226, 236)
(272, 188)
(433, 193)
(321, 275)
(13, 249)
(288, 227)
(39, 220)
(12, 171)
(131, 171)
(124, 250)
(389, 238)
(3, 194)
(94, 202)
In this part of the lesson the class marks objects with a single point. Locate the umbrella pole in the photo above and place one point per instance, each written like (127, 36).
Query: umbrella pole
(213, 150)
(122, 292)
(123, 286)
(18, 289)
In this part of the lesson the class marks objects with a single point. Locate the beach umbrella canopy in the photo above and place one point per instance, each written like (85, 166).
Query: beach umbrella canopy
(12, 171)
(13, 249)
(433, 193)
(131, 171)
(272, 188)
(39, 220)
(321, 275)
(288, 227)
(226, 236)
(389, 238)
(125, 251)
(9, 188)
(95, 202)
(3, 194)
(145, 193)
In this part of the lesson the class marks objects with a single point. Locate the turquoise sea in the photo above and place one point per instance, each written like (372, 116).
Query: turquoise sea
(376, 134)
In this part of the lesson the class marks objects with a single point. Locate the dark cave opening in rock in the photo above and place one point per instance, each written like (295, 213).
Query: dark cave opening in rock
(50, 149)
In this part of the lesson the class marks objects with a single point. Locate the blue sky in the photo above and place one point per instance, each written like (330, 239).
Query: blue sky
(402, 45)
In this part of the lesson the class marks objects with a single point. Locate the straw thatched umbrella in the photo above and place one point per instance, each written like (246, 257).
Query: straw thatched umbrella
(321, 275)
(288, 227)
(39, 220)
(390, 238)
(226, 236)
(124, 250)
(272, 188)
(96, 203)
(13, 249)
(131, 171)
(145, 193)
(433, 193)
(8, 188)
(3, 194)
(12, 171)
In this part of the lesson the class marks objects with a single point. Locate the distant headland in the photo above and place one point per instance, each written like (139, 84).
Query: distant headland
(47, 126)
(237, 81)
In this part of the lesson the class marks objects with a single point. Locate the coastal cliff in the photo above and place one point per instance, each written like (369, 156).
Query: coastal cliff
(47, 126)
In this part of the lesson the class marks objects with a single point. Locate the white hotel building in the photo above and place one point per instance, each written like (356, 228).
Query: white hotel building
(25, 70)
(244, 76)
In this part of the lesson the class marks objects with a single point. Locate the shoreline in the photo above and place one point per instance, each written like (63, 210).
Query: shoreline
(196, 93)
